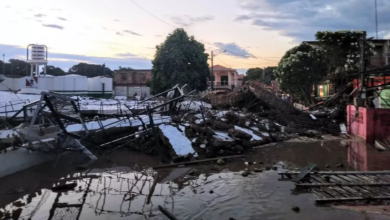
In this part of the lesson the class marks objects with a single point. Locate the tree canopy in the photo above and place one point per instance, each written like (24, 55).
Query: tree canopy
(54, 71)
(15, 67)
(180, 59)
(90, 70)
(257, 74)
(299, 69)
(342, 49)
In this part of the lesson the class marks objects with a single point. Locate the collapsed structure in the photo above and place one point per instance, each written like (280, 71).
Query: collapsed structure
(172, 124)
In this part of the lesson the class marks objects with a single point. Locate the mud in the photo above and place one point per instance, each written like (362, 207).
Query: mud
(209, 191)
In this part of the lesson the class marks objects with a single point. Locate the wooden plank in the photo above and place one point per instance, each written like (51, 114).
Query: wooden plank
(322, 194)
(197, 161)
(383, 178)
(351, 199)
(359, 190)
(341, 172)
(347, 188)
(341, 191)
(377, 190)
(304, 172)
(340, 184)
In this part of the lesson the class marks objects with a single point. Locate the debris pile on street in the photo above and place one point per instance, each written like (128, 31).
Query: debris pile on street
(171, 124)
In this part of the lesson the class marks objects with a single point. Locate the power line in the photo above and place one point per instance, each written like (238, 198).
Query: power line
(223, 61)
(152, 14)
(274, 61)
(200, 40)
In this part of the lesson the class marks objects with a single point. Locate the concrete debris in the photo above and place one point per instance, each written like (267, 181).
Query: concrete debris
(172, 137)
(174, 125)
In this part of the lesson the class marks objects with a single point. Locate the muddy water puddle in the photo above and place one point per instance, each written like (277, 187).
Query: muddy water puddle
(119, 192)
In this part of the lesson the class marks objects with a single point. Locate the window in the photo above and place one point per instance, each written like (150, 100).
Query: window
(224, 80)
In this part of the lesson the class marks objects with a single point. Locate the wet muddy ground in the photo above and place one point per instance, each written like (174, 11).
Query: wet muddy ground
(121, 186)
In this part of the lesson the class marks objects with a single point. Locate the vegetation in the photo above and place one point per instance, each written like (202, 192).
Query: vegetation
(343, 49)
(299, 69)
(18, 68)
(90, 70)
(257, 74)
(15, 67)
(180, 59)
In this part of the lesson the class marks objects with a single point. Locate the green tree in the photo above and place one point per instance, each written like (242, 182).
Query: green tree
(54, 71)
(125, 68)
(90, 70)
(15, 67)
(342, 49)
(180, 59)
(263, 75)
(299, 69)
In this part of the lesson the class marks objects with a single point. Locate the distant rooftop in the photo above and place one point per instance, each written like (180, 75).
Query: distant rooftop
(219, 67)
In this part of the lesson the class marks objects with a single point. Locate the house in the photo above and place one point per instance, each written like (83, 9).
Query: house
(132, 82)
(225, 78)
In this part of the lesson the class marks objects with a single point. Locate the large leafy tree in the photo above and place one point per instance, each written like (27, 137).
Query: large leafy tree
(180, 59)
(90, 70)
(15, 67)
(54, 71)
(343, 49)
(299, 69)
(263, 75)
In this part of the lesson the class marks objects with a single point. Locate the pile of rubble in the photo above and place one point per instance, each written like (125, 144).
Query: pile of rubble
(178, 127)
(215, 133)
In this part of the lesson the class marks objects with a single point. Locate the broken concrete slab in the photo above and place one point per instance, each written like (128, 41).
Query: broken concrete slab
(238, 134)
(173, 137)
(250, 132)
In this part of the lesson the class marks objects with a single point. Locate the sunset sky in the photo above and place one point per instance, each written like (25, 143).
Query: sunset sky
(125, 32)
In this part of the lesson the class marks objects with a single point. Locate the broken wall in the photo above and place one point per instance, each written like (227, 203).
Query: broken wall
(371, 124)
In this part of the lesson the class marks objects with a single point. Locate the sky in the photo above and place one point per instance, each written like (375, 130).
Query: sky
(242, 33)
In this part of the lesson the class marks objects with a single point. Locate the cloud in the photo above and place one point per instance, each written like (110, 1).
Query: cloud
(66, 61)
(118, 33)
(186, 21)
(39, 15)
(132, 32)
(116, 20)
(56, 9)
(62, 19)
(234, 50)
(157, 35)
(302, 19)
(53, 26)
(127, 55)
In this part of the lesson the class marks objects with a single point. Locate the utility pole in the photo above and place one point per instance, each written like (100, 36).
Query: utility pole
(362, 58)
(3, 64)
(264, 77)
(212, 71)
(376, 19)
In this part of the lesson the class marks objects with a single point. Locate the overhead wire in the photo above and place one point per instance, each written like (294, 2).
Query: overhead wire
(237, 54)
(223, 61)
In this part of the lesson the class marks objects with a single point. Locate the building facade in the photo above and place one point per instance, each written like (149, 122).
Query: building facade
(225, 78)
(132, 82)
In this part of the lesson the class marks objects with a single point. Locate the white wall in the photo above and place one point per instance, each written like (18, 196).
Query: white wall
(64, 84)
(131, 90)
(95, 84)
